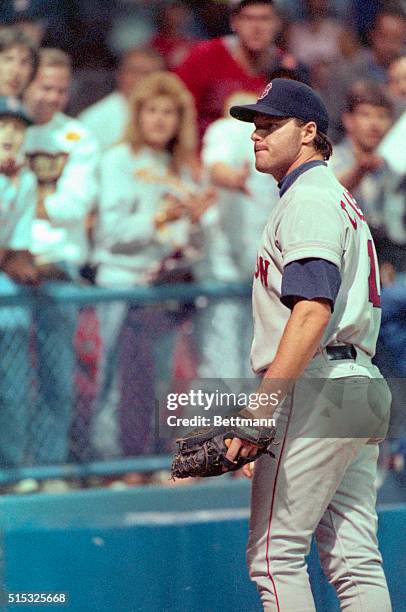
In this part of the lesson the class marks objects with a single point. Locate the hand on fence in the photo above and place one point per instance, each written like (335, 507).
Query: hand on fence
(19, 265)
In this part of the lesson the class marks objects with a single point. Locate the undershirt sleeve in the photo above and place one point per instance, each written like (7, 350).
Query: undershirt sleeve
(310, 279)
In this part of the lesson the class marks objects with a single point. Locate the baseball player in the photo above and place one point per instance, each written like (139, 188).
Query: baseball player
(316, 307)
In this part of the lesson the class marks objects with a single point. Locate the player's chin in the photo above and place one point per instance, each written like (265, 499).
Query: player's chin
(261, 165)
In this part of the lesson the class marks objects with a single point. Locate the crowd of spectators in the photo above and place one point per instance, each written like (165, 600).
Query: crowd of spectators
(142, 178)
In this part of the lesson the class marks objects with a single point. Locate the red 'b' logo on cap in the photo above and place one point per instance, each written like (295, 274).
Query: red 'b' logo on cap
(266, 91)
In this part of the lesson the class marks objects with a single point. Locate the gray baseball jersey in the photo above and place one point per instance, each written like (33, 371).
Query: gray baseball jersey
(317, 217)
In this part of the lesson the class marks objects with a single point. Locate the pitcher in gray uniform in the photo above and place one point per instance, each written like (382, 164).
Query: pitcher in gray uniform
(316, 306)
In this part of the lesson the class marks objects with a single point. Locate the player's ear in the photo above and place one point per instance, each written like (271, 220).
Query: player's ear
(309, 131)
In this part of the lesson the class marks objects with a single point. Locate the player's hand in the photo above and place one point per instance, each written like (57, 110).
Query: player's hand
(248, 469)
(240, 448)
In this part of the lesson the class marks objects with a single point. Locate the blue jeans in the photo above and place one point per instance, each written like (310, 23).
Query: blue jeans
(55, 325)
(16, 378)
(36, 379)
(137, 355)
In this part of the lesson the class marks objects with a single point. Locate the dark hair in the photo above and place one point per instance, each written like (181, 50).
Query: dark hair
(367, 92)
(238, 6)
(13, 37)
(144, 51)
(391, 8)
(52, 56)
(321, 143)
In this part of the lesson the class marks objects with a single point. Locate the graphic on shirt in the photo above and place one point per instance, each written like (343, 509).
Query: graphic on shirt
(72, 136)
(48, 167)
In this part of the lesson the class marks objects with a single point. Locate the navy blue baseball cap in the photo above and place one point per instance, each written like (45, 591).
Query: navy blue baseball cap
(12, 107)
(286, 98)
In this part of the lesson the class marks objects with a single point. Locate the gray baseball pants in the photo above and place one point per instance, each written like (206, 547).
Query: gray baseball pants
(321, 482)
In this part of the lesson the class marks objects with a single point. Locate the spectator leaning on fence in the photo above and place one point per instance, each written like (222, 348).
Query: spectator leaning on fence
(18, 61)
(107, 118)
(17, 209)
(64, 157)
(359, 167)
(151, 207)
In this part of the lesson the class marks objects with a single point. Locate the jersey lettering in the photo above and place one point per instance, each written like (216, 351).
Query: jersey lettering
(261, 270)
(353, 221)
(354, 204)
(351, 201)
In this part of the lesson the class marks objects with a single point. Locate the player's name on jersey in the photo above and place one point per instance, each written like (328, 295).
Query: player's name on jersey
(218, 421)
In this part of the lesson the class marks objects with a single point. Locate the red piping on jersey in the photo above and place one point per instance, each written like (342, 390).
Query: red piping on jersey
(271, 510)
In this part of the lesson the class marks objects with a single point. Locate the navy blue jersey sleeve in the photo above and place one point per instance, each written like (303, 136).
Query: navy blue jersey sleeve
(310, 279)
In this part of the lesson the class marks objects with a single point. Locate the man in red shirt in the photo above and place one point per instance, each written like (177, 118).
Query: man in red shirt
(219, 68)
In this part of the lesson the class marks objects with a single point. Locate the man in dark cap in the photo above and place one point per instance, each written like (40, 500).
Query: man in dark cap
(317, 314)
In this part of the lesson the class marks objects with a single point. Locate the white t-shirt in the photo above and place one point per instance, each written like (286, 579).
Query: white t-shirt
(64, 156)
(316, 217)
(243, 217)
(127, 243)
(17, 209)
(392, 147)
(107, 119)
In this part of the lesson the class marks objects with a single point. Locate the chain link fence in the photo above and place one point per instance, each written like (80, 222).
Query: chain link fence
(80, 368)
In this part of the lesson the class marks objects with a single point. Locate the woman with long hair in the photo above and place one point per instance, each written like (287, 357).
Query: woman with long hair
(156, 223)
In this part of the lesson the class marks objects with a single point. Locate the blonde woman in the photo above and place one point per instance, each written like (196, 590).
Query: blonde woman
(151, 206)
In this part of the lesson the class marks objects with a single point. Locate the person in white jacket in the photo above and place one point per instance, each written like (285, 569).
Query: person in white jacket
(64, 157)
(151, 206)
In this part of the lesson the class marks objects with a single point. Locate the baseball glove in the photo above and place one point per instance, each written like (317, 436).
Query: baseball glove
(203, 452)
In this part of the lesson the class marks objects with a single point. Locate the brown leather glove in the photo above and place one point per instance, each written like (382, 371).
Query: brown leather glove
(202, 452)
